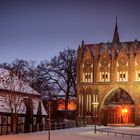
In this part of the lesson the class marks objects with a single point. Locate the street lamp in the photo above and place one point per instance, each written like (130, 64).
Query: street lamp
(95, 105)
(49, 119)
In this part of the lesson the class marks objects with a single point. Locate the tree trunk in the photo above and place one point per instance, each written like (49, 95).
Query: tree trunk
(14, 124)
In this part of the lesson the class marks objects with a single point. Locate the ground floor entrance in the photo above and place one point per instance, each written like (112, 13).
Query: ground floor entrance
(115, 108)
(118, 109)
(118, 115)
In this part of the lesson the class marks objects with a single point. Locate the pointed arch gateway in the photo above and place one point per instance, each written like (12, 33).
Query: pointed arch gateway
(118, 109)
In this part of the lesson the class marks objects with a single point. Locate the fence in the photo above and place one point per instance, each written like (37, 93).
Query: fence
(62, 124)
(59, 124)
(109, 131)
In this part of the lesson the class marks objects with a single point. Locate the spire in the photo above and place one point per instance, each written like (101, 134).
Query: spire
(116, 38)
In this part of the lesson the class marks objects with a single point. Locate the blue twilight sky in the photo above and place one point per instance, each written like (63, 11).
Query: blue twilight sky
(39, 29)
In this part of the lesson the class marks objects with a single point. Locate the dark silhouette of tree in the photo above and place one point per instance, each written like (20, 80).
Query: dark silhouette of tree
(45, 86)
(61, 72)
(26, 71)
(49, 78)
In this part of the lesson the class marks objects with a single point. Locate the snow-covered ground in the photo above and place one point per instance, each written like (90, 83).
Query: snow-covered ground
(83, 133)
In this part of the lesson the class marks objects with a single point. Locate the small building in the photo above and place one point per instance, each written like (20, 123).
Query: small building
(21, 107)
(58, 107)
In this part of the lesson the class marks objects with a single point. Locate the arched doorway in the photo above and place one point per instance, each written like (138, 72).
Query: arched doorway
(118, 109)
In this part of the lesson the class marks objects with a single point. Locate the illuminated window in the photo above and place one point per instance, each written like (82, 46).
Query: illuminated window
(122, 76)
(95, 103)
(72, 105)
(61, 105)
(87, 77)
(137, 75)
(87, 71)
(104, 76)
(122, 66)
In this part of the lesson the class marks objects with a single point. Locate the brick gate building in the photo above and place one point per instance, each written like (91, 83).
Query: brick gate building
(109, 82)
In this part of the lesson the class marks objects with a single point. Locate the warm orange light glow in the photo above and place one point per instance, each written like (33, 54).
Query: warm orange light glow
(124, 110)
(71, 105)
(61, 105)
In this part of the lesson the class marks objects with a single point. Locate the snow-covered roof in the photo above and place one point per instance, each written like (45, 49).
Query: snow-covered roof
(21, 108)
(9, 82)
(35, 107)
(12, 83)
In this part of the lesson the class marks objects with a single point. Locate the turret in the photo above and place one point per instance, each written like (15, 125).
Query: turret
(116, 38)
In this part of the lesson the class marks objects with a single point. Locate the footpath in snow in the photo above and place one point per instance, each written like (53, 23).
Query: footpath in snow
(83, 133)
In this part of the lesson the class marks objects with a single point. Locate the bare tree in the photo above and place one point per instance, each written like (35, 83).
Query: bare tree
(32, 74)
(11, 97)
(61, 71)
(19, 67)
(44, 84)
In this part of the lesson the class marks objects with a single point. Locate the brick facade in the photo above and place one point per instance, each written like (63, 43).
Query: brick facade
(104, 70)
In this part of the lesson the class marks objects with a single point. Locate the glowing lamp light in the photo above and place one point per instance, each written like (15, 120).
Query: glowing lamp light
(124, 110)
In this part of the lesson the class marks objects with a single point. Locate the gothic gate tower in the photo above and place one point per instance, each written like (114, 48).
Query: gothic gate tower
(109, 82)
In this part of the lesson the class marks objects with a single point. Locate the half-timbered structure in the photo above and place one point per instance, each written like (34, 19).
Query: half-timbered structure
(21, 107)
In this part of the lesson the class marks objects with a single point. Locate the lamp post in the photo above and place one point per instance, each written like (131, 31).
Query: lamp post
(95, 105)
(49, 119)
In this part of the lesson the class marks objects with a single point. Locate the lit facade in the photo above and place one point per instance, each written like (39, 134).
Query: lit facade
(109, 82)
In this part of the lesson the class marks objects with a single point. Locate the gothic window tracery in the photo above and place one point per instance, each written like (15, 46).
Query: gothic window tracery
(95, 102)
(81, 101)
(118, 96)
(137, 67)
(88, 71)
(122, 67)
(88, 101)
(122, 61)
(104, 65)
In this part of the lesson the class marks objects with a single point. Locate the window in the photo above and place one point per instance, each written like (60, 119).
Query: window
(9, 119)
(87, 71)
(19, 120)
(122, 69)
(4, 119)
(34, 120)
(87, 77)
(88, 104)
(104, 76)
(122, 76)
(137, 75)
(43, 120)
(95, 104)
